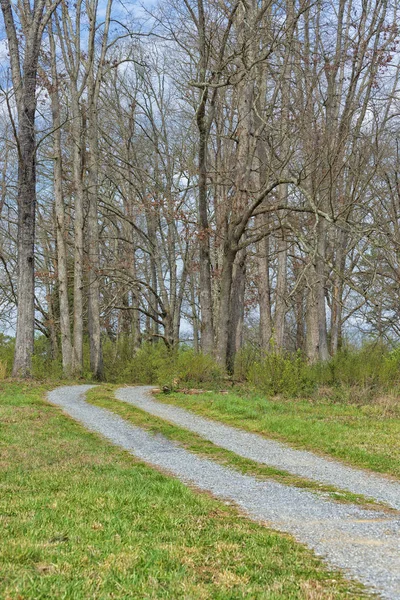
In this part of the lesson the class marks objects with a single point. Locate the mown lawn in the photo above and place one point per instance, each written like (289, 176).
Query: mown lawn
(80, 519)
(363, 435)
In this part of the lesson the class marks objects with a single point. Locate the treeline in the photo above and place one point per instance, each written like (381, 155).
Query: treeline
(214, 172)
(368, 375)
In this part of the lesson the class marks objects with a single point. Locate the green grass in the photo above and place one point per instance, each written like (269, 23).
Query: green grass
(81, 519)
(367, 436)
(104, 397)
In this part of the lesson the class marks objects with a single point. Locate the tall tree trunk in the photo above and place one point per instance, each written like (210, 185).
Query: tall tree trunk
(206, 301)
(230, 323)
(312, 324)
(317, 337)
(94, 82)
(264, 289)
(24, 65)
(337, 293)
(129, 247)
(77, 166)
(281, 283)
(131, 317)
(280, 296)
(62, 265)
(299, 306)
(24, 343)
(263, 246)
(320, 291)
(153, 295)
(96, 354)
(235, 337)
(224, 316)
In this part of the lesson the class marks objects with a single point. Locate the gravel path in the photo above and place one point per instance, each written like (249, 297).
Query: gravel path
(366, 544)
(269, 452)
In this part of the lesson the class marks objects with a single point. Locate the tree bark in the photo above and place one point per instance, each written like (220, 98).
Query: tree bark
(264, 289)
(235, 334)
(317, 337)
(337, 293)
(24, 83)
(24, 344)
(280, 296)
(96, 354)
(206, 302)
(312, 336)
(62, 263)
(320, 291)
(77, 166)
(224, 317)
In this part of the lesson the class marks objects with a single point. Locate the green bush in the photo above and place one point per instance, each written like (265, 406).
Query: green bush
(355, 375)
(44, 366)
(281, 373)
(390, 370)
(352, 375)
(244, 361)
(117, 354)
(370, 366)
(151, 362)
(7, 345)
(195, 368)
(156, 364)
(3, 370)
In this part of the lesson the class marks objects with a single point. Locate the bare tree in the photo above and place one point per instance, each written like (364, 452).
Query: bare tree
(24, 55)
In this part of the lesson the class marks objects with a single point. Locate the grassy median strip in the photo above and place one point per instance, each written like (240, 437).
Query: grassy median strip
(81, 519)
(366, 435)
(103, 396)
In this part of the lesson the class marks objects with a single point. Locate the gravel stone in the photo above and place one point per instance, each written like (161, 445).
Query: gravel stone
(365, 544)
(269, 452)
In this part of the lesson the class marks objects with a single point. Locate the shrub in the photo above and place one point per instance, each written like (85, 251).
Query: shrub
(149, 363)
(7, 346)
(357, 375)
(117, 354)
(157, 364)
(370, 366)
(389, 375)
(44, 366)
(195, 368)
(281, 373)
(244, 361)
(3, 370)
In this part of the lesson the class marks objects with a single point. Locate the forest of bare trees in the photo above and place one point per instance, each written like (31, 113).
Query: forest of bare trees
(204, 171)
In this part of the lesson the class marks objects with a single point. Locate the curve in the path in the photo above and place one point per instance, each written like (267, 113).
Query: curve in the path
(364, 543)
(269, 452)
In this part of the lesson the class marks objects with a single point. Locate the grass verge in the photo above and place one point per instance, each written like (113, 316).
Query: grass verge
(81, 519)
(366, 436)
(103, 396)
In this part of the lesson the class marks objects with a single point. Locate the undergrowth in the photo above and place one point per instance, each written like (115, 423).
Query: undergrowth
(360, 375)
